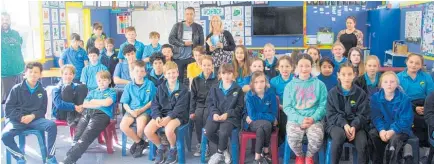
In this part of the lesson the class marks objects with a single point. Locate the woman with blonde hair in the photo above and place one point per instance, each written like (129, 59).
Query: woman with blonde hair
(219, 43)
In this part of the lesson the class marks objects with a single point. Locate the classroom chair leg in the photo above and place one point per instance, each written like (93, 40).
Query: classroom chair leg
(203, 147)
(274, 152)
(243, 150)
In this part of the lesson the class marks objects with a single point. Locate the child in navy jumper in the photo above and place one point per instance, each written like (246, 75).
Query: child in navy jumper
(347, 115)
(256, 64)
(25, 108)
(278, 83)
(68, 97)
(199, 91)
(392, 117)
(169, 111)
(156, 75)
(261, 105)
(225, 104)
(88, 75)
(76, 56)
(327, 76)
(270, 60)
(109, 58)
(136, 100)
(368, 81)
(99, 105)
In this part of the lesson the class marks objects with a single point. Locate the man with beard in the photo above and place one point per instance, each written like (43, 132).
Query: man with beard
(11, 56)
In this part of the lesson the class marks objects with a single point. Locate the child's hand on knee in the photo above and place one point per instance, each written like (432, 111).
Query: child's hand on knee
(248, 120)
(216, 117)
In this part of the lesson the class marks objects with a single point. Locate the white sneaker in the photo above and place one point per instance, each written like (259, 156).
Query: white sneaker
(227, 156)
(216, 158)
(197, 152)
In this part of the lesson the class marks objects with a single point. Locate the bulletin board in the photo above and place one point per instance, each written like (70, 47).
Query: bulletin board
(54, 29)
(427, 45)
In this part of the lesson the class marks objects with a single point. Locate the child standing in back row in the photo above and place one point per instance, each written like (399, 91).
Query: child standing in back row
(88, 75)
(327, 76)
(76, 56)
(194, 69)
(270, 60)
(338, 50)
(130, 34)
(150, 49)
(256, 64)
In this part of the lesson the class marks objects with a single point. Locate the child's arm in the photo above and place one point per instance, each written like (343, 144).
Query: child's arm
(429, 110)
(144, 108)
(173, 37)
(92, 103)
(211, 103)
(320, 112)
(181, 105)
(62, 59)
(362, 114)
(288, 108)
(405, 117)
(429, 85)
(86, 58)
(155, 106)
(238, 109)
(126, 98)
(246, 88)
(59, 103)
(333, 116)
(12, 109)
(83, 77)
(117, 75)
(43, 108)
(377, 116)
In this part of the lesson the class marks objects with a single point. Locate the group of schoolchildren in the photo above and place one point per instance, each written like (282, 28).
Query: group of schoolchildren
(341, 99)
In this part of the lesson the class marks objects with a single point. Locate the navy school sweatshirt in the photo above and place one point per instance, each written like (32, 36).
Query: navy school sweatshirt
(175, 106)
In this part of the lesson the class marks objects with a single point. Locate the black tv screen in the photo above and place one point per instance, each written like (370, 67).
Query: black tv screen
(278, 20)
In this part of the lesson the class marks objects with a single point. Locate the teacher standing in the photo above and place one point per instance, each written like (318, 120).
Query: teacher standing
(12, 57)
(350, 37)
(219, 43)
(184, 36)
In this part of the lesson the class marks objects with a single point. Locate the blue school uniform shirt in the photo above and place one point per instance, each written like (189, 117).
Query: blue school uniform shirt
(88, 76)
(240, 78)
(175, 89)
(418, 88)
(148, 51)
(330, 81)
(139, 50)
(122, 71)
(31, 90)
(76, 58)
(100, 95)
(138, 96)
(278, 84)
(225, 91)
(338, 64)
(261, 108)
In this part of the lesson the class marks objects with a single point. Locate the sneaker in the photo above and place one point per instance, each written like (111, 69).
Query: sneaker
(267, 157)
(73, 143)
(133, 148)
(257, 161)
(299, 160)
(216, 158)
(52, 160)
(172, 156)
(309, 160)
(138, 152)
(197, 152)
(159, 156)
(227, 156)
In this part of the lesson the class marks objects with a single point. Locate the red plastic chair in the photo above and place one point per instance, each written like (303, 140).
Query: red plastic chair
(245, 136)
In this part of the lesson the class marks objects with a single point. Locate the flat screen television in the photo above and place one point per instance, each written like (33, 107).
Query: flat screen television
(278, 20)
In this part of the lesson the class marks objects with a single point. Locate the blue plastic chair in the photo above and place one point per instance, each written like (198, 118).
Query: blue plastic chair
(182, 136)
(329, 147)
(235, 146)
(22, 144)
(320, 155)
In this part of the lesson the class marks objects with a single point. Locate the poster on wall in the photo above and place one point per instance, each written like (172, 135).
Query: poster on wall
(47, 32)
(248, 41)
(210, 11)
(62, 4)
(413, 26)
(45, 4)
(62, 31)
(228, 13)
(55, 16)
(123, 20)
(227, 24)
(45, 15)
(56, 31)
(58, 47)
(427, 46)
(48, 48)
(237, 13)
(62, 15)
(239, 40)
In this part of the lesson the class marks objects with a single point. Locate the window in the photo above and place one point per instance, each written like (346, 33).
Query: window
(26, 20)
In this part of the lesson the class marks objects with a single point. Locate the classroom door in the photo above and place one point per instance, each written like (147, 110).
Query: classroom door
(75, 21)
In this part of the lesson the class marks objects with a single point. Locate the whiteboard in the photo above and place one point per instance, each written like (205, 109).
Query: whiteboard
(160, 21)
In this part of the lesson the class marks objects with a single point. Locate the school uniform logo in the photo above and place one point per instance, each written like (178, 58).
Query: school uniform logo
(267, 103)
(105, 95)
(422, 83)
(147, 91)
(235, 94)
(353, 103)
(39, 95)
(176, 95)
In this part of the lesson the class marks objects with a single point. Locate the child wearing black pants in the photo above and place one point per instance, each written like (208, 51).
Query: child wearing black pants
(225, 103)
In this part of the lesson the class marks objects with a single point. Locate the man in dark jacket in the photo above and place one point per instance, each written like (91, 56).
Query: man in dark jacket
(184, 36)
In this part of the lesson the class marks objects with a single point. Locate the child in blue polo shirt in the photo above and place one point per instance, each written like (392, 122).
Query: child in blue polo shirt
(338, 50)
(88, 75)
(99, 105)
(327, 76)
(270, 60)
(256, 64)
(240, 61)
(169, 111)
(130, 34)
(156, 75)
(417, 84)
(150, 49)
(122, 74)
(25, 108)
(225, 103)
(200, 87)
(68, 97)
(261, 105)
(136, 100)
(74, 55)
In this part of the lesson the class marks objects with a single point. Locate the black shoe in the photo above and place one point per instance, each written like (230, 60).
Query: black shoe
(133, 148)
(266, 157)
(139, 150)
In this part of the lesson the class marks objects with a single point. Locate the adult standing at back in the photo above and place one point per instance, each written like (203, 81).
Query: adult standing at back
(219, 43)
(184, 36)
(12, 57)
(350, 37)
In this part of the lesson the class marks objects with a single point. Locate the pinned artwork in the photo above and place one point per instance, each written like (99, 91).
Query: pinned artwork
(56, 32)
(239, 40)
(237, 13)
(58, 47)
(62, 15)
(47, 32)
(45, 15)
(48, 48)
(54, 16)
(62, 31)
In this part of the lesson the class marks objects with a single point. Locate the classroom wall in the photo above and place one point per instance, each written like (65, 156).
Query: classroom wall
(108, 21)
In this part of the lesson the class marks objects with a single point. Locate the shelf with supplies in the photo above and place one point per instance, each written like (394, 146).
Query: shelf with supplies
(392, 59)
